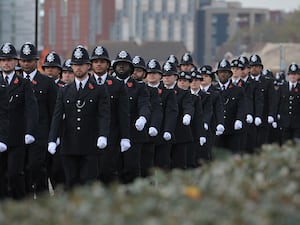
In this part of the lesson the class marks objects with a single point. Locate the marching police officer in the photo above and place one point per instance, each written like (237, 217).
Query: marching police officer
(86, 110)
(216, 124)
(6, 57)
(45, 92)
(139, 109)
(118, 139)
(234, 109)
(154, 125)
(289, 105)
(266, 86)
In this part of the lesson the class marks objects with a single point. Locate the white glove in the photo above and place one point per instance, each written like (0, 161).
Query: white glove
(167, 136)
(125, 144)
(102, 142)
(238, 125)
(140, 123)
(249, 118)
(3, 147)
(220, 129)
(29, 139)
(202, 141)
(257, 121)
(152, 131)
(52, 148)
(274, 125)
(270, 119)
(186, 120)
(58, 141)
(205, 125)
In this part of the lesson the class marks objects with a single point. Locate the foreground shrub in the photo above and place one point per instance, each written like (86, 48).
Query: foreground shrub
(258, 190)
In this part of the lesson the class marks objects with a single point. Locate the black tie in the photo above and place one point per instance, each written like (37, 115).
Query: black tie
(80, 87)
(292, 87)
(99, 80)
(224, 87)
(6, 80)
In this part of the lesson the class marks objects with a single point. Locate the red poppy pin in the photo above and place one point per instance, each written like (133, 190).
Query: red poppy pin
(91, 86)
(159, 91)
(230, 86)
(296, 90)
(240, 84)
(175, 91)
(60, 85)
(109, 82)
(129, 84)
(34, 82)
(16, 81)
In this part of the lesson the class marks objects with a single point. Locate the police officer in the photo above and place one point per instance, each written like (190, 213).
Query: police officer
(165, 136)
(45, 92)
(12, 161)
(118, 139)
(67, 75)
(266, 86)
(234, 109)
(152, 69)
(86, 109)
(216, 124)
(289, 105)
(203, 113)
(139, 109)
(254, 104)
(52, 68)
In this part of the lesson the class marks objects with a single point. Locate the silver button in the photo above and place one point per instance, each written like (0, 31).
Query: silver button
(290, 113)
(78, 119)
(17, 96)
(130, 98)
(78, 110)
(78, 128)
(68, 101)
(41, 92)
(91, 100)
(111, 96)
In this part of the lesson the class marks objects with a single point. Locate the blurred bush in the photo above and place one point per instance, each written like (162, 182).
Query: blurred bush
(261, 189)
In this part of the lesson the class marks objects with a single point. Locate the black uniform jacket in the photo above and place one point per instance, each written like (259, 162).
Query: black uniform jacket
(23, 111)
(85, 117)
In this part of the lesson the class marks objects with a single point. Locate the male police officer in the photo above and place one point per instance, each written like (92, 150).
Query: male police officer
(86, 109)
(139, 109)
(118, 138)
(45, 92)
(52, 68)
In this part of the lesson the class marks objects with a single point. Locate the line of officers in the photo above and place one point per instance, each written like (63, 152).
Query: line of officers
(91, 119)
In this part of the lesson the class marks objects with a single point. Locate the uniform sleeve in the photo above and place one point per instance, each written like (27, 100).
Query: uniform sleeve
(103, 111)
(144, 106)
(4, 119)
(31, 109)
(156, 109)
(57, 117)
(123, 112)
(171, 112)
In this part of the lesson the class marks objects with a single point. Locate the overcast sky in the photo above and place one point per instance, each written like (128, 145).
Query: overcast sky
(286, 5)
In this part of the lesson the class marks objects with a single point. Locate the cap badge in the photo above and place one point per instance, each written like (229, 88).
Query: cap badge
(78, 53)
(186, 57)
(293, 67)
(167, 66)
(254, 58)
(122, 54)
(50, 57)
(136, 60)
(6, 48)
(152, 64)
(223, 63)
(26, 50)
(172, 59)
(99, 50)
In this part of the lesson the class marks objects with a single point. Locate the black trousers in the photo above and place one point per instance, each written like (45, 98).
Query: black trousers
(35, 167)
(12, 179)
(147, 158)
(162, 156)
(231, 142)
(290, 134)
(79, 169)
(129, 163)
(262, 135)
(55, 171)
(108, 164)
(178, 156)
(248, 138)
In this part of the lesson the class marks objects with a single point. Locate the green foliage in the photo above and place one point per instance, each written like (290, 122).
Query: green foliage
(259, 189)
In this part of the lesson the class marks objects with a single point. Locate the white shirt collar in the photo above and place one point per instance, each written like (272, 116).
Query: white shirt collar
(103, 77)
(10, 76)
(205, 88)
(195, 92)
(83, 82)
(154, 86)
(32, 74)
(170, 87)
(226, 84)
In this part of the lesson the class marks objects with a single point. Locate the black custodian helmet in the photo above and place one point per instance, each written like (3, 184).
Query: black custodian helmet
(100, 52)
(28, 52)
(153, 66)
(52, 60)
(80, 56)
(139, 62)
(8, 51)
(123, 56)
(169, 69)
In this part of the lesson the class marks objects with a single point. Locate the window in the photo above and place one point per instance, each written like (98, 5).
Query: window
(75, 27)
(64, 7)
(52, 26)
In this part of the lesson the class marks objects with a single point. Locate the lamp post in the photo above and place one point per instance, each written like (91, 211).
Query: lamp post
(36, 24)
